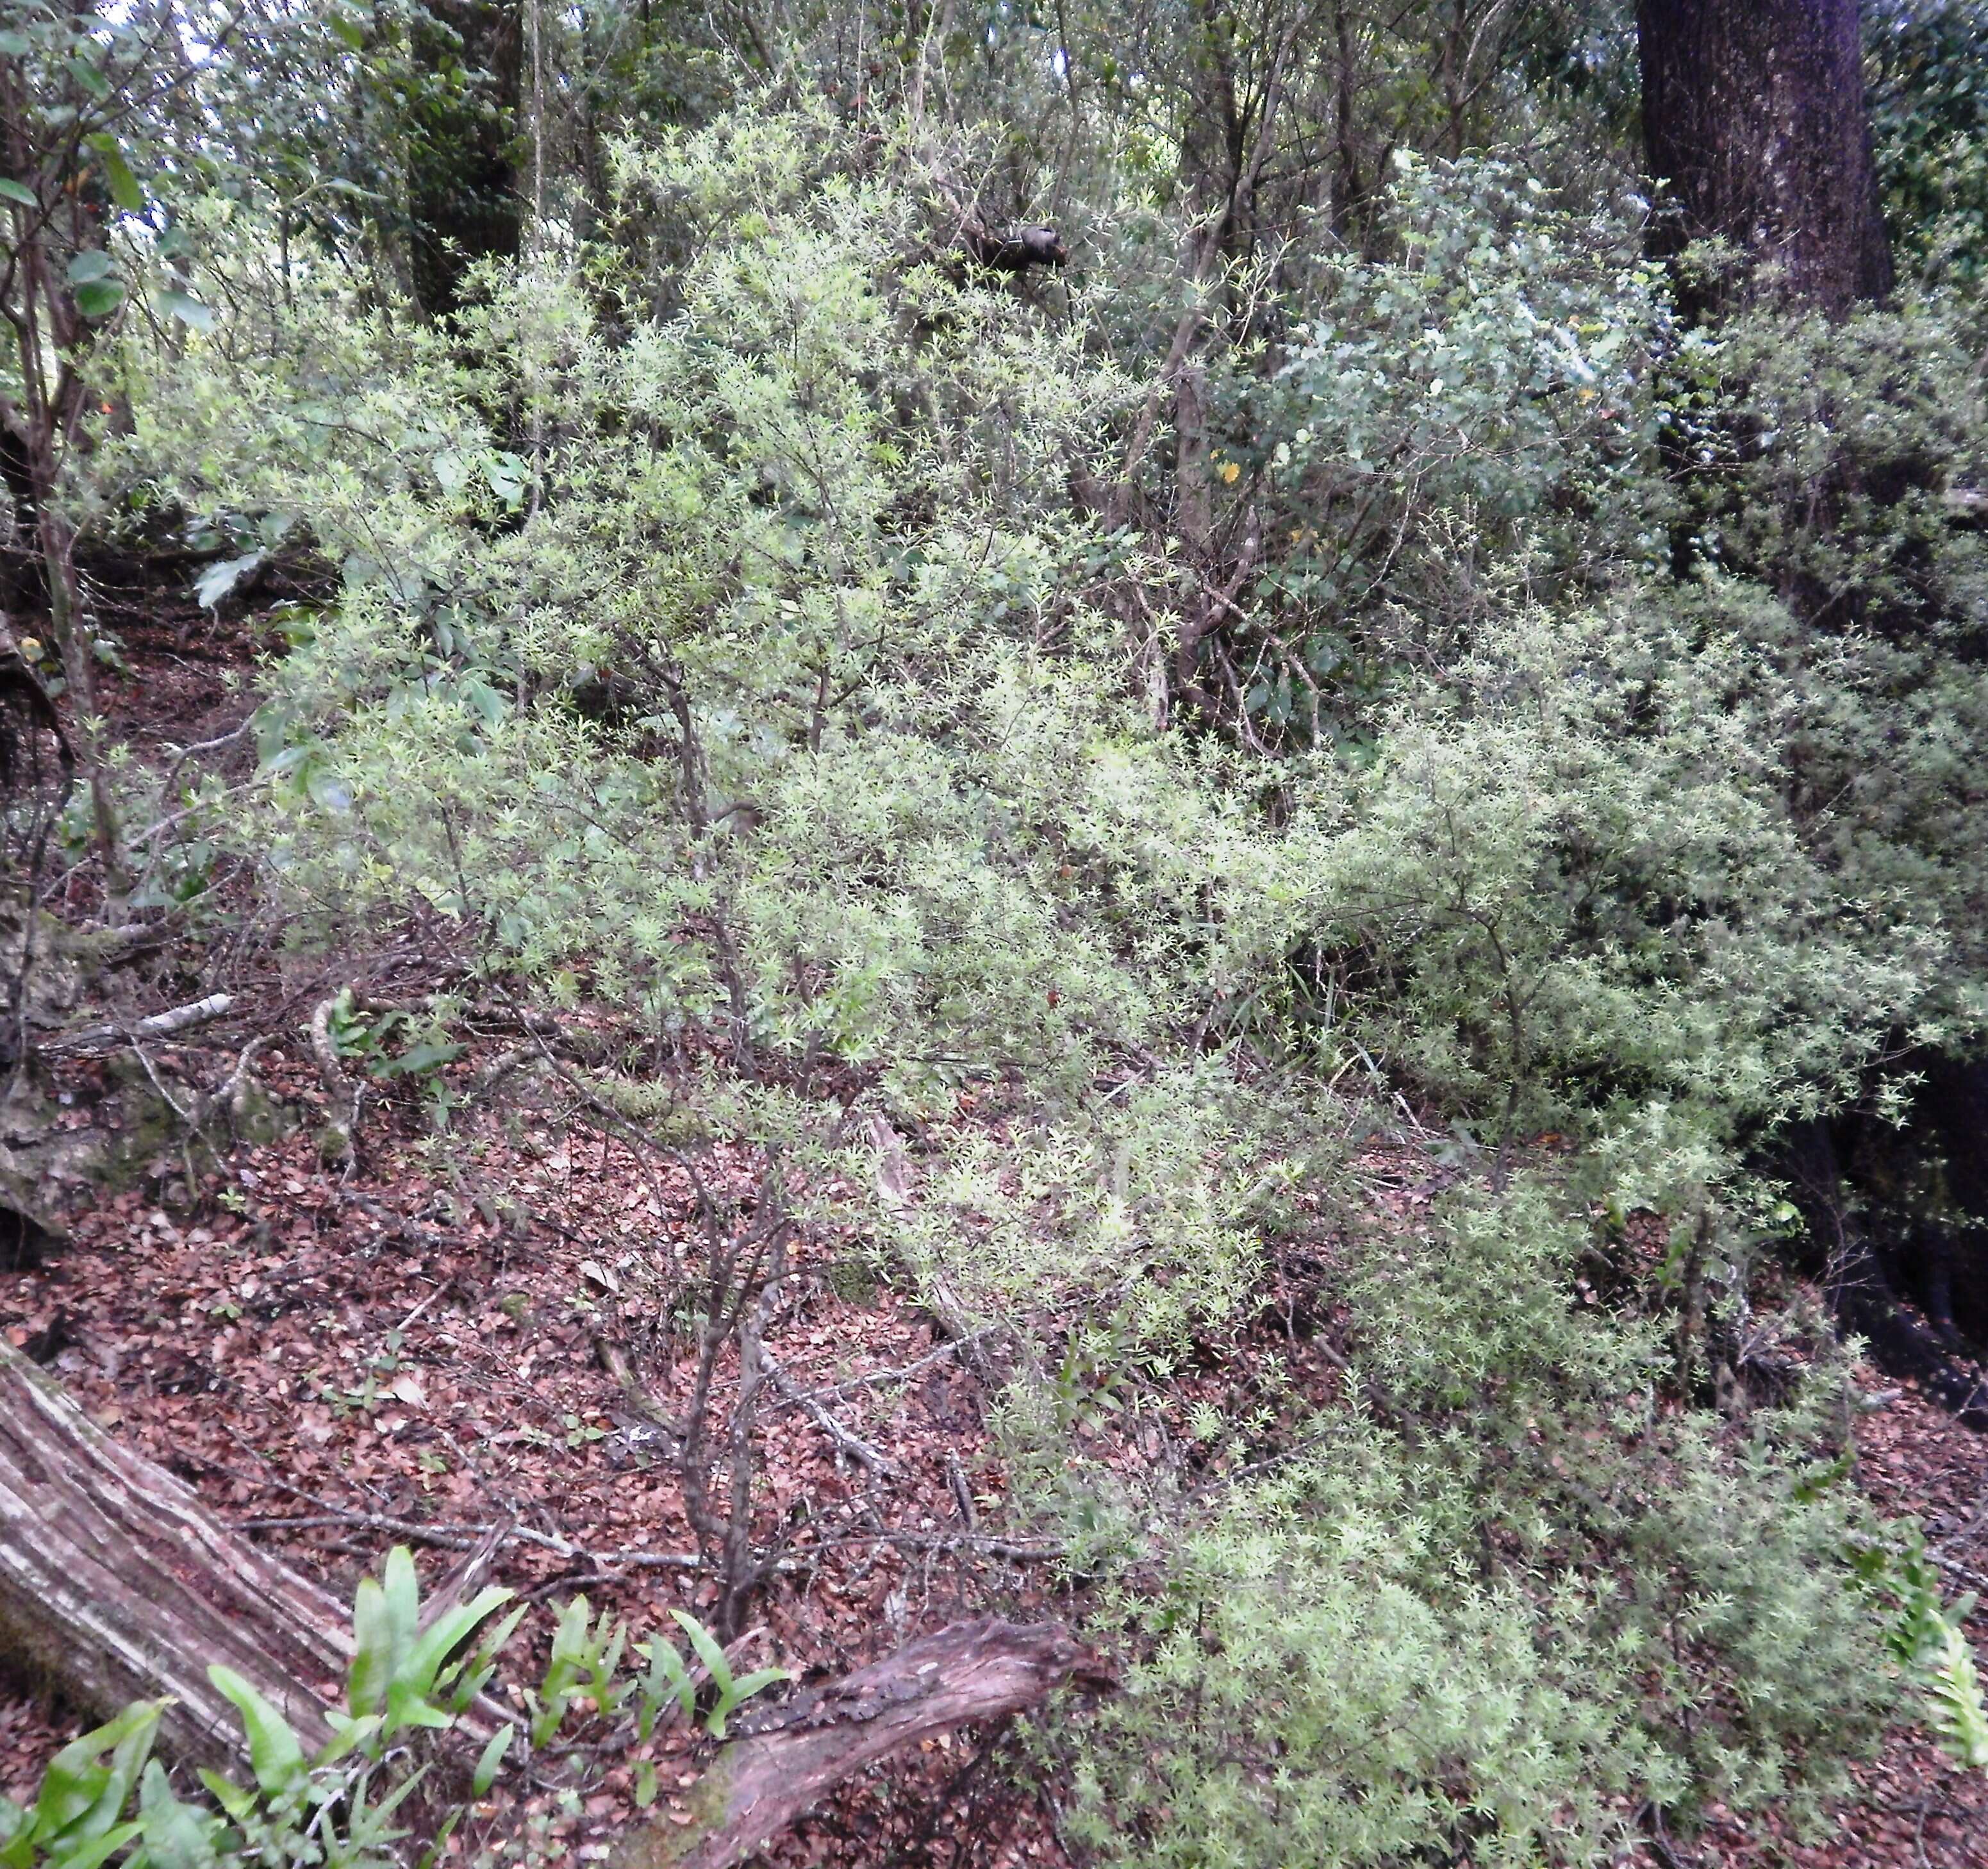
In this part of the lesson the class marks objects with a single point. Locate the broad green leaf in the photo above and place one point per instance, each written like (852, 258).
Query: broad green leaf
(451, 472)
(418, 1058)
(747, 1685)
(235, 1799)
(708, 1652)
(402, 1588)
(178, 1835)
(134, 1729)
(273, 1750)
(466, 1678)
(76, 1777)
(217, 581)
(736, 1693)
(448, 1631)
(668, 1676)
(95, 1851)
(405, 1708)
(12, 191)
(506, 474)
(100, 298)
(123, 185)
(328, 791)
(491, 1758)
(91, 79)
(350, 31)
(347, 1736)
(92, 264)
(372, 1650)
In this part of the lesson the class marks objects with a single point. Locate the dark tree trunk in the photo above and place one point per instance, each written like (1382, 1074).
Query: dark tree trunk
(1862, 1288)
(463, 191)
(1753, 115)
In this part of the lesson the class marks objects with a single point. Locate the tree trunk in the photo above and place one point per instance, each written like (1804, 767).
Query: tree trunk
(1860, 1287)
(762, 1781)
(1753, 115)
(117, 1584)
(463, 188)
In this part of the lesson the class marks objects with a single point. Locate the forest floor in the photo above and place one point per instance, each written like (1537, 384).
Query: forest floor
(438, 1340)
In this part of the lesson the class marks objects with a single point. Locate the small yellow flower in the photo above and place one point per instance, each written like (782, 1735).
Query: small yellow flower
(1230, 472)
(31, 649)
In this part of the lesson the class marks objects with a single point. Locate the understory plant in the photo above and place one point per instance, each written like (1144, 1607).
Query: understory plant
(412, 1712)
(717, 623)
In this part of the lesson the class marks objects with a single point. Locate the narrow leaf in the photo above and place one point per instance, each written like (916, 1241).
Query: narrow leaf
(123, 185)
(446, 1634)
(492, 1759)
(273, 1750)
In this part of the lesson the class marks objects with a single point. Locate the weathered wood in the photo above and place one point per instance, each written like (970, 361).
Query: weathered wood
(158, 1026)
(801, 1750)
(117, 1584)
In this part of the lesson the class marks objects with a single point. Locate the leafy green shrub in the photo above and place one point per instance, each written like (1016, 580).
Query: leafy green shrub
(1567, 888)
(1492, 1611)
(716, 635)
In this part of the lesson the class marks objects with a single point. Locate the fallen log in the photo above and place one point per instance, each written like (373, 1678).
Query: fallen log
(117, 1584)
(798, 1752)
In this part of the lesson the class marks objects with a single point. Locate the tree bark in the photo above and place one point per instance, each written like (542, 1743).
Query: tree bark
(762, 1781)
(117, 1584)
(1754, 116)
(1860, 1289)
(463, 189)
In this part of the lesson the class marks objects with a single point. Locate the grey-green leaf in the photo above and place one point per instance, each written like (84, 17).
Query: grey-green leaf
(187, 309)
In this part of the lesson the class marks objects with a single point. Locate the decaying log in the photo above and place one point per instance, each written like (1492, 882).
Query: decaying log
(801, 1750)
(117, 1584)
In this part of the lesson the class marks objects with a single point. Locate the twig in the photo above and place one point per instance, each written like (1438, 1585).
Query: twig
(158, 1025)
(1038, 1551)
(469, 1537)
(883, 1378)
(454, 1537)
(851, 1443)
(962, 1494)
